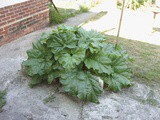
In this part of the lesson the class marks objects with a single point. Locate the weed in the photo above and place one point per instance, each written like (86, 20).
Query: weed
(50, 98)
(83, 8)
(2, 100)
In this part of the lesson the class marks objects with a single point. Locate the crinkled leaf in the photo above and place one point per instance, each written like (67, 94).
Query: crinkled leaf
(58, 41)
(116, 53)
(96, 36)
(44, 38)
(64, 28)
(116, 81)
(90, 39)
(52, 76)
(69, 59)
(39, 51)
(121, 75)
(38, 66)
(92, 35)
(81, 84)
(100, 62)
(35, 80)
(57, 66)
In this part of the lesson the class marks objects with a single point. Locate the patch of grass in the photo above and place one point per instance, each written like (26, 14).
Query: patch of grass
(2, 100)
(95, 2)
(83, 8)
(50, 98)
(146, 64)
(98, 16)
(56, 18)
(150, 99)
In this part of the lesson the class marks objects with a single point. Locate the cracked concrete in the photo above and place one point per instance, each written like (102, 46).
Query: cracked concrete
(139, 102)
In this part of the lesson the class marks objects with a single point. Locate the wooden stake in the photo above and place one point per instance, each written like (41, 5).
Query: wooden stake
(54, 6)
(120, 21)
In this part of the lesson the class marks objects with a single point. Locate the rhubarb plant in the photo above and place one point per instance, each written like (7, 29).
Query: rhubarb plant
(77, 59)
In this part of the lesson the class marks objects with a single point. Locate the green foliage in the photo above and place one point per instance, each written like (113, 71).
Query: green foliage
(134, 4)
(77, 7)
(2, 100)
(83, 8)
(50, 98)
(77, 58)
(56, 18)
(81, 84)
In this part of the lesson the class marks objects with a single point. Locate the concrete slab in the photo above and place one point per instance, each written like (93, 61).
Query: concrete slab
(139, 102)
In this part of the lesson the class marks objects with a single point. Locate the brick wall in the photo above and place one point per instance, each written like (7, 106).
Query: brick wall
(22, 18)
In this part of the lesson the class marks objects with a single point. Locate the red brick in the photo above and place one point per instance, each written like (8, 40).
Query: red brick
(25, 26)
(14, 16)
(21, 7)
(17, 11)
(24, 9)
(7, 7)
(19, 17)
(25, 15)
(10, 14)
(9, 21)
(15, 24)
(4, 11)
(21, 13)
(12, 9)
(3, 23)
(6, 30)
(17, 5)
(1, 9)
(1, 36)
(29, 10)
(2, 16)
(6, 18)
(24, 3)
(1, 30)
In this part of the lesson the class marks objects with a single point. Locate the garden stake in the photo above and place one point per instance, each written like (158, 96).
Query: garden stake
(120, 21)
(54, 7)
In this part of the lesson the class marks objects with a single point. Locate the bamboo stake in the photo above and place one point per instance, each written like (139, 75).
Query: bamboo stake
(120, 21)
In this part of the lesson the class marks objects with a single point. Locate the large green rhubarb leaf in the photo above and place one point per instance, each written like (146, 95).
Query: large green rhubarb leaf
(121, 75)
(52, 76)
(69, 59)
(99, 62)
(90, 39)
(58, 41)
(64, 28)
(36, 79)
(92, 35)
(116, 81)
(81, 84)
(38, 66)
(39, 51)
